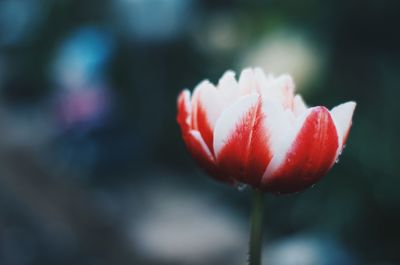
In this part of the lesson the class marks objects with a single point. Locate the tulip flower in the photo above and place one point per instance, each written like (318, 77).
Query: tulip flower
(257, 131)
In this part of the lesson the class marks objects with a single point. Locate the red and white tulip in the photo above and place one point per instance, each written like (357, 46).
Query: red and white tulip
(257, 131)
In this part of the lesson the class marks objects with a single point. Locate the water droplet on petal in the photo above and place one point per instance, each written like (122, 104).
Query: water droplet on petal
(337, 160)
(241, 186)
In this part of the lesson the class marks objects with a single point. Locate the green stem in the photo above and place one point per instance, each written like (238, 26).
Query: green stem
(256, 221)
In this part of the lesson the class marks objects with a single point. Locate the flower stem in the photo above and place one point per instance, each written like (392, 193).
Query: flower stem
(256, 221)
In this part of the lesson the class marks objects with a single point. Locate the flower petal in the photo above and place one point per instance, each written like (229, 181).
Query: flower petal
(194, 142)
(308, 158)
(280, 126)
(203, 156)
(281, 90)
(184, 110)
(299, 106)
(286, 85)
(228, 88)
(342, 116)
(207, 107)
(247, 83)
(241, 141)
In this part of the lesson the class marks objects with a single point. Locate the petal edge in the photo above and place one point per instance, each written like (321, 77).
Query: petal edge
(312, 154)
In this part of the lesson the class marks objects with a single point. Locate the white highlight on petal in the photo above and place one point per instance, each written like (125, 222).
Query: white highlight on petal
(230, 118)
(342, 116)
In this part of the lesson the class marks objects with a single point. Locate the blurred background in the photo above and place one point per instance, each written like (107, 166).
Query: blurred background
(92, 166)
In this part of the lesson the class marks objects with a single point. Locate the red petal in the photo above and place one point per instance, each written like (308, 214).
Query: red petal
(199, 151)
(184, 109)
(246, 153)
(311, 156)
(193, 139)
(207, 106)
(204, 127)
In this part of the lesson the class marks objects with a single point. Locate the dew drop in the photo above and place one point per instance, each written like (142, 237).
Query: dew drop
(241, 186)
(337, 160)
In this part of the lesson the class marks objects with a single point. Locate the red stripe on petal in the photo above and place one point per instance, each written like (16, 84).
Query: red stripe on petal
(311, 156)
(203, 157)
(246, 153)
(204, 127)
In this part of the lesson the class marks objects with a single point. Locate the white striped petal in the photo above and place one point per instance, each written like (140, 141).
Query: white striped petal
(209, 100)
(299, 106)
(228, 87)
(230, 118)
(342, 116)
(283, 137)
(247, 83)
(197, 137)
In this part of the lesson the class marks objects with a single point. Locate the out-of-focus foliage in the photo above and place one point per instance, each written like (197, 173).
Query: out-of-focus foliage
(92, 167)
